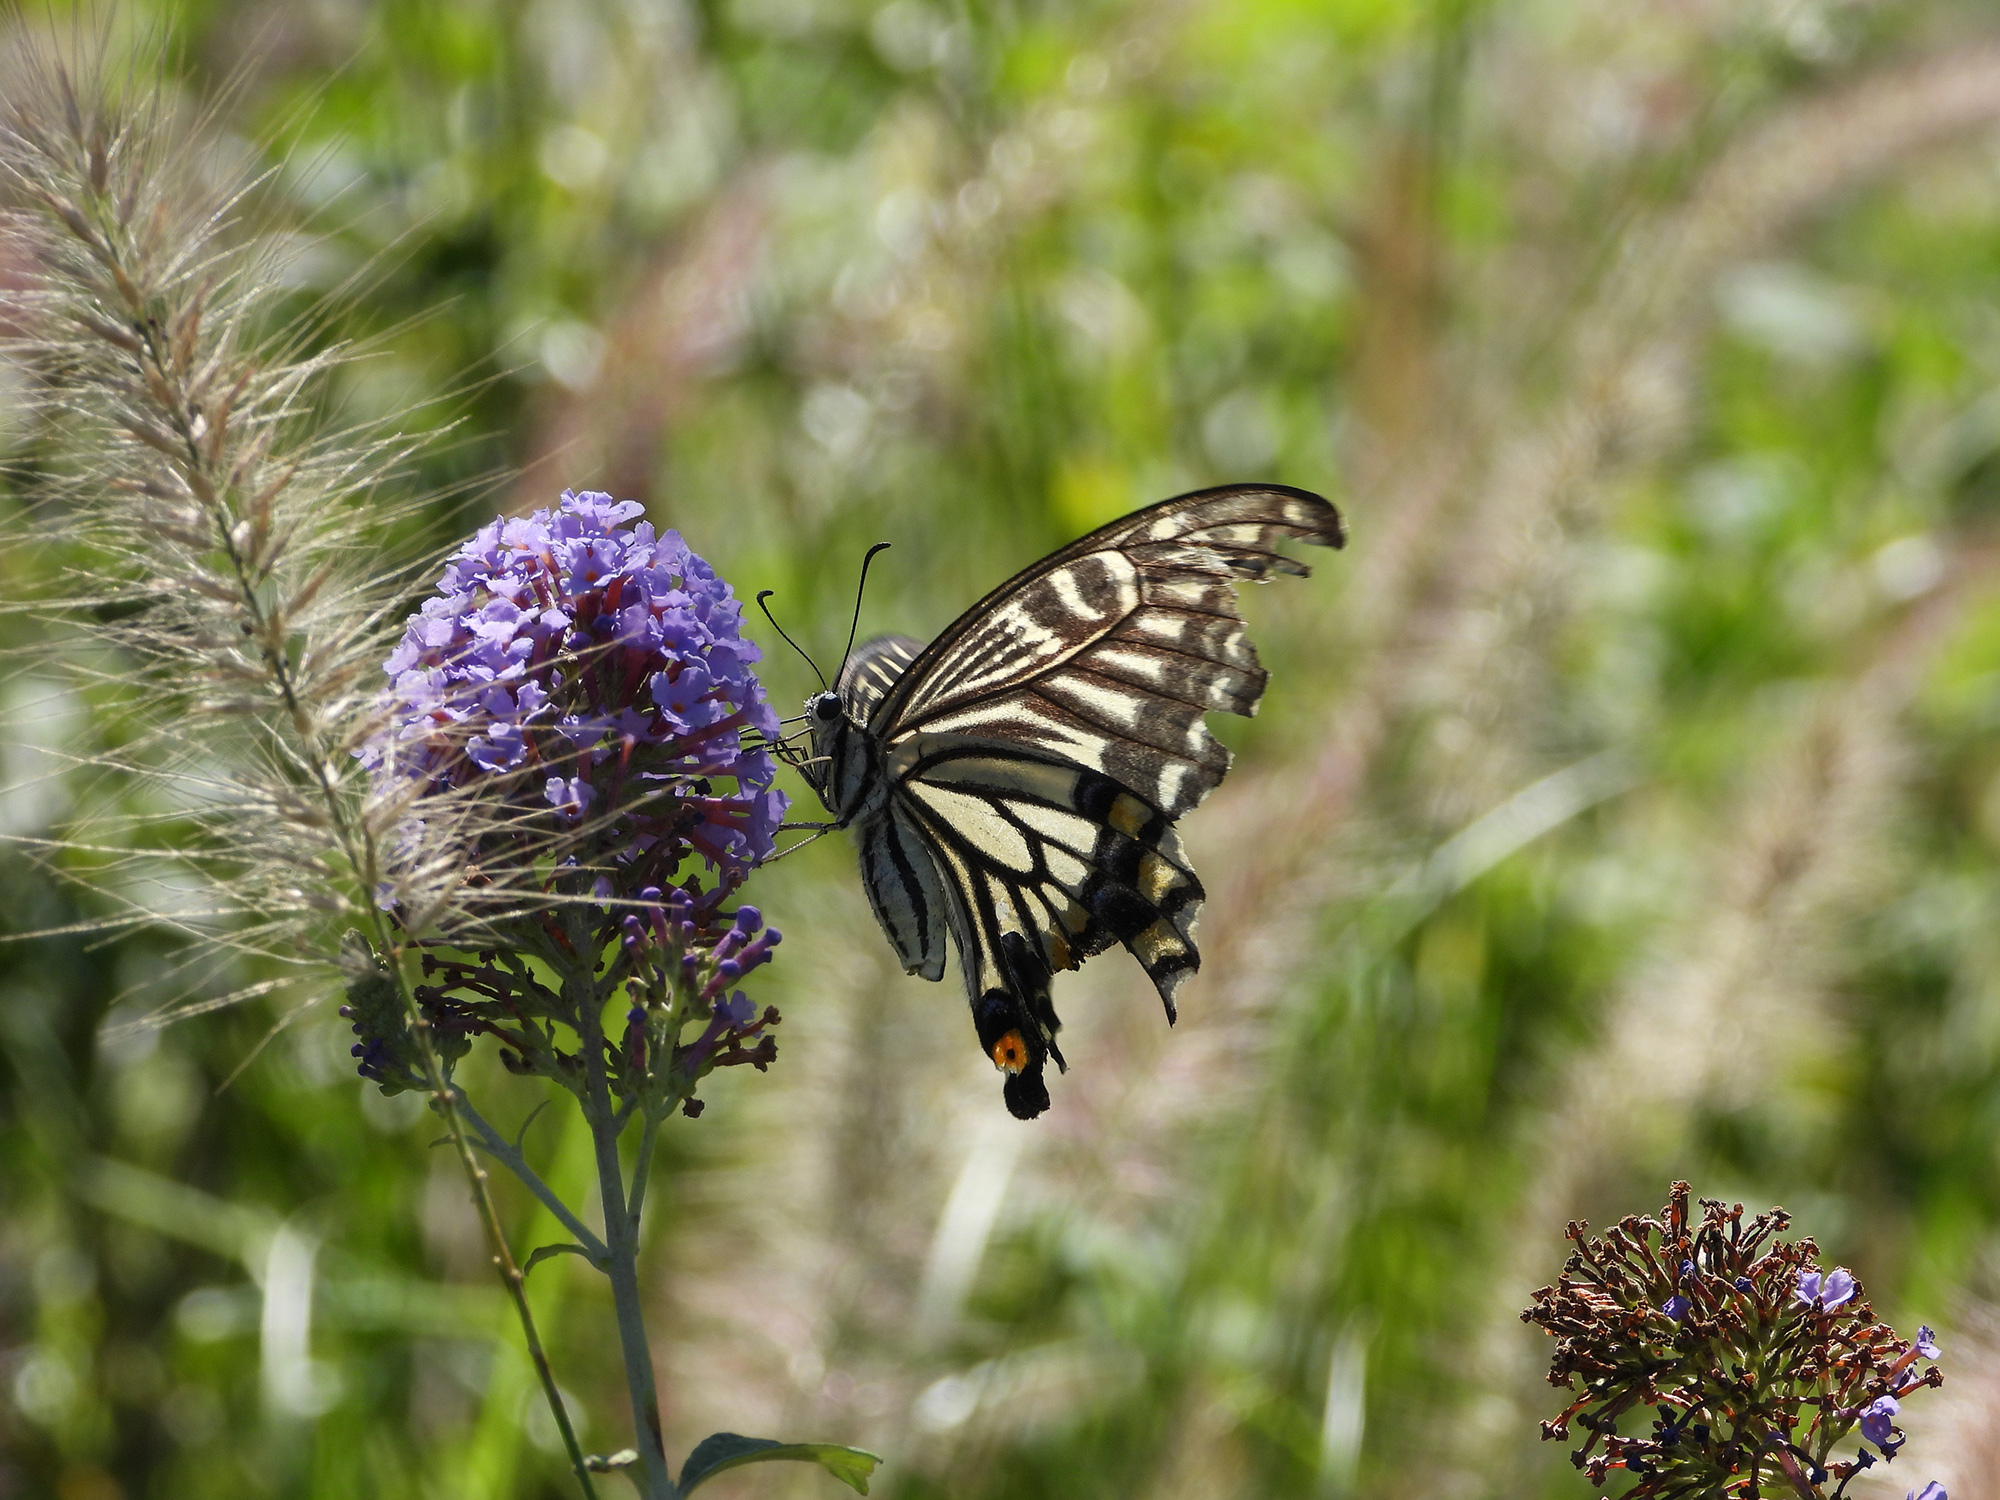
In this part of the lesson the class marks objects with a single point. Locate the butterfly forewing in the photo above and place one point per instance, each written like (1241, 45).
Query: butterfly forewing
(1113, 650)
(1025, 636)
(872, 671)
(1016, 781)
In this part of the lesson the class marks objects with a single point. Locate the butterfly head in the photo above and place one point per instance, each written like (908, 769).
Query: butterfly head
(825, 717)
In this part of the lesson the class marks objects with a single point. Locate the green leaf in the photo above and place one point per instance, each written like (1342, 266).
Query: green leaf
(545, 1252)
(729, 1450)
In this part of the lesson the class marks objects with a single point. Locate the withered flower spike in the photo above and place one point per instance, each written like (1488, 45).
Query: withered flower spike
(1726, 1336)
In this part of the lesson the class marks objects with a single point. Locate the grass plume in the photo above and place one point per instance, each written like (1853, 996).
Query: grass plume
(218, 527)
(209, 533)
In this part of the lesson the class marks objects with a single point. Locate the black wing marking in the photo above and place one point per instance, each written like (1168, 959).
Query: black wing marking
(901, 879)
(1110, 652)
(872, 671)
(1044, 864)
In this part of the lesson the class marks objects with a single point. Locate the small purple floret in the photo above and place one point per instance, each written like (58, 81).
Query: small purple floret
(1877, 1419)
(1828, 1293)
(1931, 1491)
(737, 1010)
(1927, 1345)
(1677, 1307)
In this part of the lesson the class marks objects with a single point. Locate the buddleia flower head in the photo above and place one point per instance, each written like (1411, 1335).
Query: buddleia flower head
(1739, 1367)
(578, 700)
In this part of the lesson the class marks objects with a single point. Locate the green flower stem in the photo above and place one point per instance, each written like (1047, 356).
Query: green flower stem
(497, 1146)
(679, 1002)
(621, 1234)
(642, 1170)
(445, 1099)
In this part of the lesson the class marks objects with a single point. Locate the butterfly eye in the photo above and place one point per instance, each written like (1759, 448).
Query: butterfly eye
(826, 708)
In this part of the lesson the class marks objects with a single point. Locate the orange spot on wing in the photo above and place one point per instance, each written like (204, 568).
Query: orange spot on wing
(1010, 1053)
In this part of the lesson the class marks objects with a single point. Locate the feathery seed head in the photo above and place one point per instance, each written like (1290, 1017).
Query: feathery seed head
(208, 525)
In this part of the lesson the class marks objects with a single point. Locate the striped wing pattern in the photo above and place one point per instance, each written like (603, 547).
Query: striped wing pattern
(1016, 782)
(872, 670)
(1043, 863)
(1111, 651)
(901, 879)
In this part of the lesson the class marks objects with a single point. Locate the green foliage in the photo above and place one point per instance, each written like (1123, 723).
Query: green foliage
(1625, 806)
(723, 1451)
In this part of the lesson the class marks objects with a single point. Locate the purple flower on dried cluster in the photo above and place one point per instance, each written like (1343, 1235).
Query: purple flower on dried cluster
(578, 663)
(659, 947)
(1762, 1365)
(1836, 1289)
(1878, 1419)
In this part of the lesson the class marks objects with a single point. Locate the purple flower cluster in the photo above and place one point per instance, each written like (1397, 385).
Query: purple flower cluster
(595, 669)
(662, 944)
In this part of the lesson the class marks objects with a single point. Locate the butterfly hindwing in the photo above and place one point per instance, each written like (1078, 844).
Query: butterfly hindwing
(1045, 863)
(1104, 865)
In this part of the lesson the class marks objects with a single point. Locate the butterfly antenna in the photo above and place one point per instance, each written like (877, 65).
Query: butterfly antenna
(859, 589)
(787, 639)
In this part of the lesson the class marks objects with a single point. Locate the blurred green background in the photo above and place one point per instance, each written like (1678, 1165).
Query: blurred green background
(1626, 803)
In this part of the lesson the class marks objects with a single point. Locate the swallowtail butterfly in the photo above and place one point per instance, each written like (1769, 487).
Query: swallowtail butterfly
(1015, 783)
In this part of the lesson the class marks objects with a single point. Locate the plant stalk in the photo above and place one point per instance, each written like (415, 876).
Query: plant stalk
(621, 1237)
(502, 1150)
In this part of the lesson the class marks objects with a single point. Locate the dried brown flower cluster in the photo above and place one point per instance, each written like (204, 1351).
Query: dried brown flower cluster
(1750, 1364)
